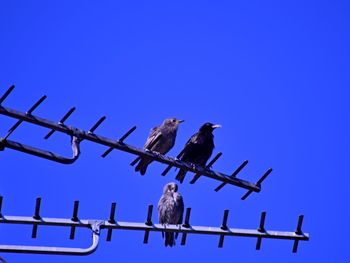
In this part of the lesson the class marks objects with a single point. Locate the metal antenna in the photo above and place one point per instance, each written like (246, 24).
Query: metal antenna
(261, 229)
(29, 112)
(61, 122)
(111, 221)
(170, 166)
(240, 168)
(79, 135)
(96, 125)
(298, 232)
(74, 219)
(3, 97)
(258, 183)
(121, 140)
(1, 199)
(36, 217)
(148, 223)
(223, 227)
(186, 225)
(97, 225)
(210, 164)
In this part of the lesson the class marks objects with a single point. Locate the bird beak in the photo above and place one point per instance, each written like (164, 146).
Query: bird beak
(216, 126)
(180, 121)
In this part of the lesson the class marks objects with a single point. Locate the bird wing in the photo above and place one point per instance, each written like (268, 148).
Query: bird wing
(198, 149)
(180, 208)
(170, 212)
(189, 145)
(155, 132)
(164, 205)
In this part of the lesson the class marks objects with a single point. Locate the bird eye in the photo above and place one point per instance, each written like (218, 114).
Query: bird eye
(174, 120)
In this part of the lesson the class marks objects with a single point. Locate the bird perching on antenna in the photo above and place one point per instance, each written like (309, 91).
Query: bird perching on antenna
(198, 148)
(170, 211)
(161, 140)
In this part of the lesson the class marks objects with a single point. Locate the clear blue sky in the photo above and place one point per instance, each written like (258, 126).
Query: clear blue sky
(275, 74)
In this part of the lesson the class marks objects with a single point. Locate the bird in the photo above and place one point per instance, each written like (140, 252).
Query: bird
(198, 148)
(167, 132)
(170, 211)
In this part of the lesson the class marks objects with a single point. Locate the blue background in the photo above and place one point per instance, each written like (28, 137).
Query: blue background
(275, 74)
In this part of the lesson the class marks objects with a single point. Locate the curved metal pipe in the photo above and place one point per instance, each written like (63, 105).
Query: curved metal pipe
(58, 250)
(42, 153)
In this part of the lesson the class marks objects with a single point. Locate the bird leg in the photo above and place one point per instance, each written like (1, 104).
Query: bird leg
(157, 153)
(193, 166)
(163, 231)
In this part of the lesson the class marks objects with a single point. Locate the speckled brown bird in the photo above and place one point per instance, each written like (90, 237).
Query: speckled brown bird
(167, 132)
(170, 211)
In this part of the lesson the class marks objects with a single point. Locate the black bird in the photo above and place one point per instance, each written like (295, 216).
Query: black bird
(170, 211)
(167, 131)
(199, 148)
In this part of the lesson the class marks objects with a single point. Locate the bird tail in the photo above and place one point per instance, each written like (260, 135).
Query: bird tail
(169, 239)
(181, 175)
(142, 166)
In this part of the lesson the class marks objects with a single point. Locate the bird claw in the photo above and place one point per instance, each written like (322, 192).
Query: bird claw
(193, 166)
(154, 152)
